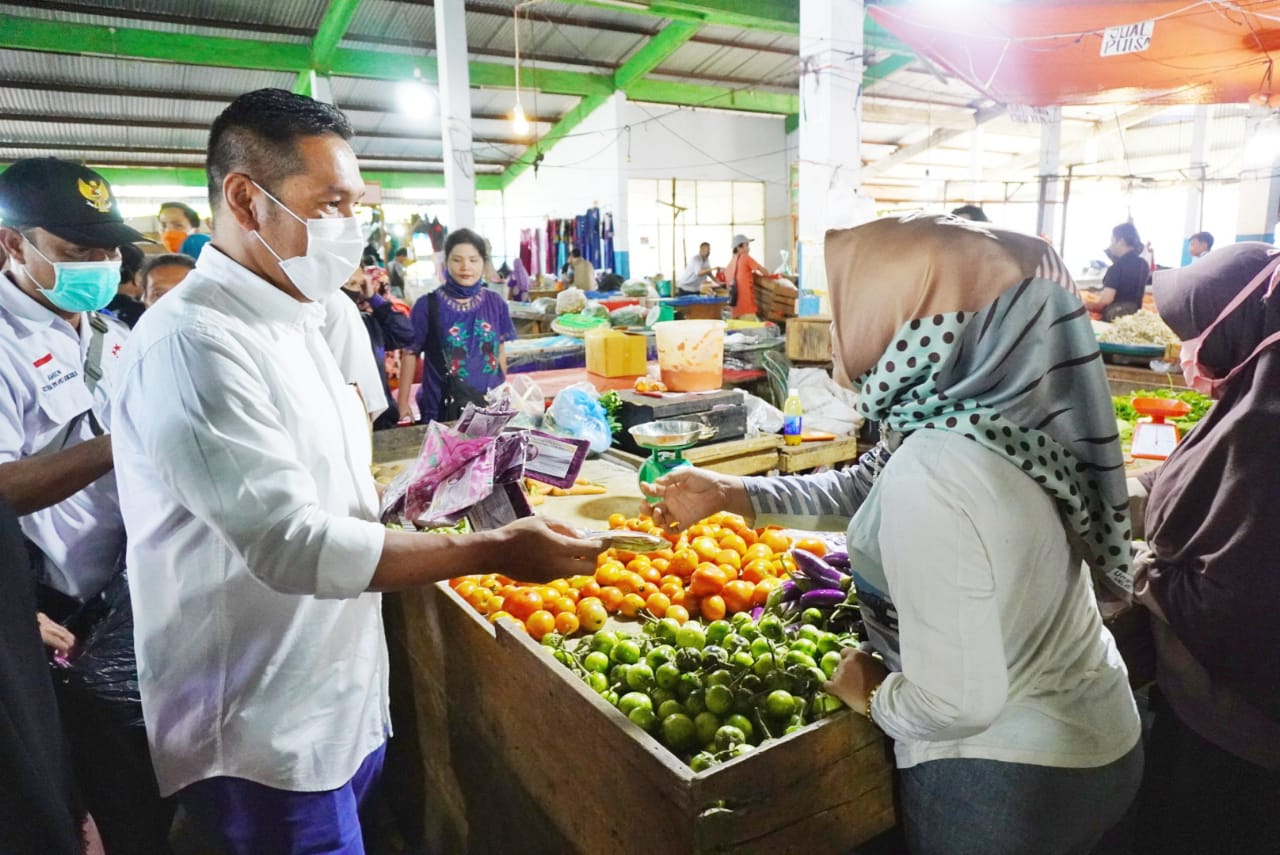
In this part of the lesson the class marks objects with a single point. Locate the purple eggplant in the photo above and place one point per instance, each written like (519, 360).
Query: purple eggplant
(790, 591)
(838, 560)
(814, 569)
(823, 598)
(757, 612)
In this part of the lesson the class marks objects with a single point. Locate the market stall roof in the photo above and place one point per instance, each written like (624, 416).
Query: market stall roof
(1053, 53)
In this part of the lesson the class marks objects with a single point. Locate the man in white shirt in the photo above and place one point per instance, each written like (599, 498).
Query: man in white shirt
(697, 273)
(59, 359)
(251, 511)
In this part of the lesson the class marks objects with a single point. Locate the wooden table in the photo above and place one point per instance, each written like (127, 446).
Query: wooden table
(811, 455)
(553, 382)
(1126, 379)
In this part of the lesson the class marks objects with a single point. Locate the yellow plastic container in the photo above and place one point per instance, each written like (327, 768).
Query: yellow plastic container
(615, 354)
(691, 354)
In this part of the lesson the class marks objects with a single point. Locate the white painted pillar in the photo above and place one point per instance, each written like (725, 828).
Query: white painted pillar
(455, 113)
(1195, 175)
(975, 166)
(830, 133)
(620, 177)
(1050, 160)
(321, 87)
(1259, 189)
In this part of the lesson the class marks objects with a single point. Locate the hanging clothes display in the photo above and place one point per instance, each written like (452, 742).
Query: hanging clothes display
(608, 261)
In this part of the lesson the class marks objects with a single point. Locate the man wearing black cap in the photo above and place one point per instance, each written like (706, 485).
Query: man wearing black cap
(62, 231)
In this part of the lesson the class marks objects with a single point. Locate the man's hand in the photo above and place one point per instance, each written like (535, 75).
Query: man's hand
(54, 635)
(539, 550)
(856, 677)
(690, 494)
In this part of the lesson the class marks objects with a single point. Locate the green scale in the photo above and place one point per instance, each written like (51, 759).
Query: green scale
(666, 441)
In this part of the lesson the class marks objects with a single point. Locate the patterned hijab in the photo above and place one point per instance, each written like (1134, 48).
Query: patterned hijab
(958, 326)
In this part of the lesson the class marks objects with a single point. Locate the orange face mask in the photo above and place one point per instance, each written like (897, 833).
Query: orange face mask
(172, 239)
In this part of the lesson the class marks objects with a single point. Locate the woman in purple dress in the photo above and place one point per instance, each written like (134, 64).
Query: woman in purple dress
(460, 329)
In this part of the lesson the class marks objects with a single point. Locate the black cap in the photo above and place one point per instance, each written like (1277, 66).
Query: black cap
(71, 201)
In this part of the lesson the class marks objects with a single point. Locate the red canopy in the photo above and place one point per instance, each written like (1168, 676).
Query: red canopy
(1047, 53)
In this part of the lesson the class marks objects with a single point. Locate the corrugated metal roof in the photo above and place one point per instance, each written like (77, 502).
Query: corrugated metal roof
(151, 14)
(384, 19)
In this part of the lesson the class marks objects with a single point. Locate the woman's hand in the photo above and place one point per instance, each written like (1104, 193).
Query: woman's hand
(856, 678)
(690, 494)
(54, 635)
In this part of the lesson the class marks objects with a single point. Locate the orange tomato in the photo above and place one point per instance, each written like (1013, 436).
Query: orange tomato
(631, 605)
(707, 579)
(609, 573)
(734, 542)
(699, 530)
(494, 617)
(748, 536)
(564, 604)
(549, 594)
(479, 599)
(493, 583)
(756, 552)
(812, 545)
(648, 590)
(662, 562)
(566, 623)
(592, 614)
(591, 589)
(728, 556)
(651, 574)
(668, 587)
(631, 583)
(523, 602)
(540, 623)
(763, 589)
(612, 598)
(775, 540)
(577, 582)
(677, 596)
(678, 613)
(617, 520)
(465, 587)
(730, 572)
(495, 604)
(658, 604)
(737, 595)
(759, 569)
(706, 547)
(684, 563)
(561, 585)
(692, 604)
(713, 607)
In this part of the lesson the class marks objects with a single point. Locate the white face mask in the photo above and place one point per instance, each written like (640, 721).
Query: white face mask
(334, 247)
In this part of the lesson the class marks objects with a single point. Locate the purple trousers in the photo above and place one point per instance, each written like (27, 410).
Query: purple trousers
(254, 819)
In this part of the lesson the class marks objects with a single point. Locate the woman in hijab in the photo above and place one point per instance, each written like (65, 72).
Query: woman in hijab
(460, 329)
(1211, 578)
(999, 478)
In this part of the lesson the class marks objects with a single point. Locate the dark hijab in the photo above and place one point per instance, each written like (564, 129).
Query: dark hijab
(1211, 513)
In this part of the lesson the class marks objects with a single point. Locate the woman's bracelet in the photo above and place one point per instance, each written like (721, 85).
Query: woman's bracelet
(871, 697)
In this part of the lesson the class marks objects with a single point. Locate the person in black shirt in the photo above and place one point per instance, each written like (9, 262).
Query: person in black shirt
(1126, 279)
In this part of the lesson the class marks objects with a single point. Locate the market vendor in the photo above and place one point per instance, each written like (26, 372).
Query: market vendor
(999, 479)
(1125, 282)
(740, 274)
(1210, 576)
(460, 330)
(696, 278)
(244, 464)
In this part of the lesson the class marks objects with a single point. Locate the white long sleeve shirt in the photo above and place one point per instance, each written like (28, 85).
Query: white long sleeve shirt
(970, 592)
(348, 339)
(243, 464)
(42, 362)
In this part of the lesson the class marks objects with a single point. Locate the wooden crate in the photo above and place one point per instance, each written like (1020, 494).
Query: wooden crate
(811, 455)
(536, 762)
(809, 339)
(775, 299)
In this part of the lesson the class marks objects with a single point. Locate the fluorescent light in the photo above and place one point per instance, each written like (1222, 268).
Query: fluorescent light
(416, 99)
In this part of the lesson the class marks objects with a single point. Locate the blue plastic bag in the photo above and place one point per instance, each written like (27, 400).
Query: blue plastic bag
(577, 412)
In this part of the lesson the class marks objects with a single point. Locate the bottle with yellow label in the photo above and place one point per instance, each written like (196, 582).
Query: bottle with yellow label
(792, 418)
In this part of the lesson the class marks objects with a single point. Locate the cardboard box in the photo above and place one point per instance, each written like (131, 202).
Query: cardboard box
(615, 354)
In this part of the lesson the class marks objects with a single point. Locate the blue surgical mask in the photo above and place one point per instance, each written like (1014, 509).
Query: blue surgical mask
(79, 286)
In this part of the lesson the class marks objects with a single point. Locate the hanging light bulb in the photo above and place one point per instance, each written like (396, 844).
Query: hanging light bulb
(519, 121)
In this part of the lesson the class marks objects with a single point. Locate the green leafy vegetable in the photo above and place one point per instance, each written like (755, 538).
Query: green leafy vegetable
(612, 404)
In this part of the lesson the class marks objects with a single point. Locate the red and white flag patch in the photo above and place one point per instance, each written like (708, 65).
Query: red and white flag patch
(44, 360)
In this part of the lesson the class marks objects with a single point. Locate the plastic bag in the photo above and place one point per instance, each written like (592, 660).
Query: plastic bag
(577, 412)
(762, 417)
(104, 664)
(523, 395)
(570, 301)
(635, 288)
(827, 405)
(627, 316)
(544, 304)
(596, 310)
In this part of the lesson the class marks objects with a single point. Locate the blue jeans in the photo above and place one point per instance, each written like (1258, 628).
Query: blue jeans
(254, 819)
(986, 807)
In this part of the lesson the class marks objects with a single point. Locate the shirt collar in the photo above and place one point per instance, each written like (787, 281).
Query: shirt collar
(257, 297)
(32, 316)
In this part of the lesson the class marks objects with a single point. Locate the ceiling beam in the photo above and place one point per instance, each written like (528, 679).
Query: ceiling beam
(163, 124)
(940, 135)
(776, 16)
(652, 54)
(337, 18)
(693, 95)
(197, 156)
(192, 177)
(1122, 122)
(215, 97)
(561, 129)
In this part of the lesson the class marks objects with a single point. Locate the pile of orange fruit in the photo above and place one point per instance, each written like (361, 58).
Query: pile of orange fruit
(718, 567)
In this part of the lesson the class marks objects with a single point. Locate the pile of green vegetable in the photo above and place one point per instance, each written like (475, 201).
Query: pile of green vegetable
(1127, 416)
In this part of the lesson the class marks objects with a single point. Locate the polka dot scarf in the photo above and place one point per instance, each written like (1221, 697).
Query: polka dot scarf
(1023, 378)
